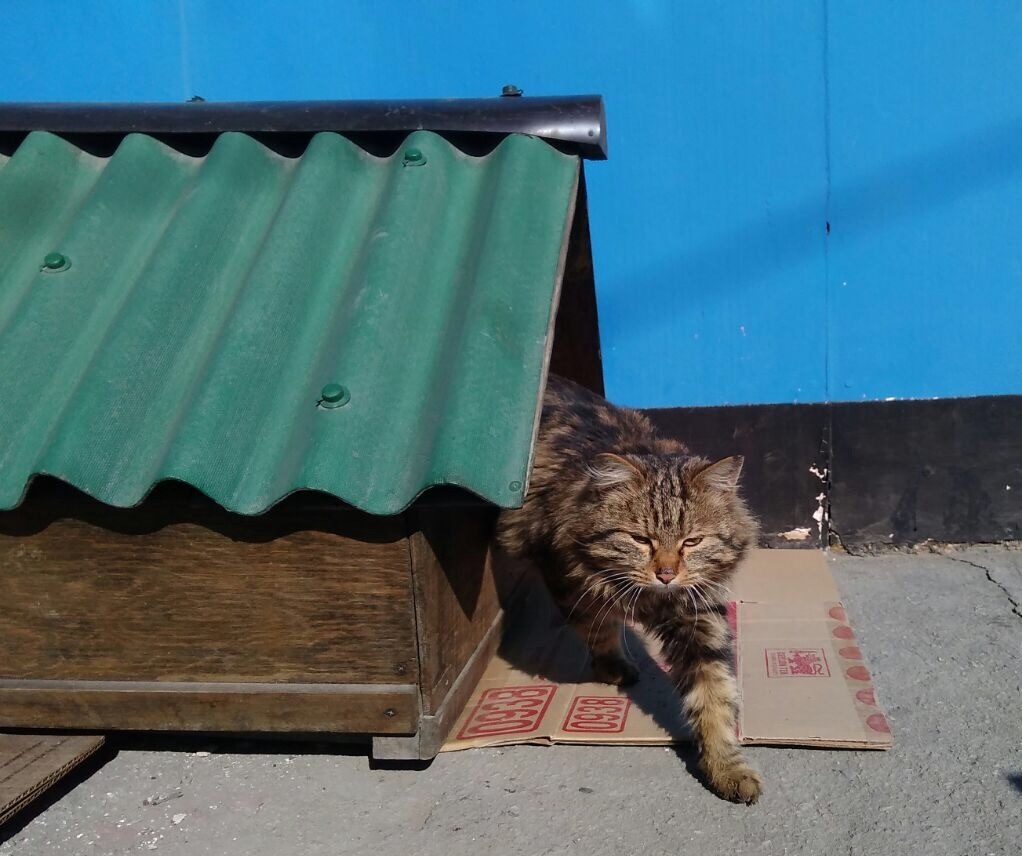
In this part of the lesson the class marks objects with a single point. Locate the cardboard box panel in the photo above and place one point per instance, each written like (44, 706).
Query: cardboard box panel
(801, 674)
(31, 763)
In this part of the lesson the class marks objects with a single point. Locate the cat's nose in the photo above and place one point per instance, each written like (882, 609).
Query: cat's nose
(665, 575)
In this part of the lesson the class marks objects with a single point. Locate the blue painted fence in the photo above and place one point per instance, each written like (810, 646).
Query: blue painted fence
(738, 131)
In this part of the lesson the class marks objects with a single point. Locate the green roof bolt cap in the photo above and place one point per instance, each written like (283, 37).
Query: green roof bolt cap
(333, 395)
(55, 262)
(414, 157)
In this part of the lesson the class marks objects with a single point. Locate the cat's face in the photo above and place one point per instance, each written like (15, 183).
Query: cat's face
(667, 525)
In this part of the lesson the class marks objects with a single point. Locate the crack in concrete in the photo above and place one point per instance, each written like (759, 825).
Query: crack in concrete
(1016, 607)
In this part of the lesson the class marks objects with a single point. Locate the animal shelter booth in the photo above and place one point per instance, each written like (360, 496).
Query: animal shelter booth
(267, 374)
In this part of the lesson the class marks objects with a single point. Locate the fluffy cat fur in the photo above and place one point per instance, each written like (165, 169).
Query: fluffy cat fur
(625, 524)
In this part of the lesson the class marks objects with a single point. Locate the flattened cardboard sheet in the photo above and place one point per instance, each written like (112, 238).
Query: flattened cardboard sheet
(801, 675)
(31, 763)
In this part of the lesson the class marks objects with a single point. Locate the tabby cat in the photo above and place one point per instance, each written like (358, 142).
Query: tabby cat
(623, 523)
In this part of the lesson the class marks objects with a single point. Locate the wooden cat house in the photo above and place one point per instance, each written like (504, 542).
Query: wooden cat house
(267, 374)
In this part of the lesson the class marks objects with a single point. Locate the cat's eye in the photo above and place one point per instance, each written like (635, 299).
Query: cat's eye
(691, 542)
(641, 539)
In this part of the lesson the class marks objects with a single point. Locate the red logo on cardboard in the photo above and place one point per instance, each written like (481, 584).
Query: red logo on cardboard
(796, 663)
(597, 715)
(508, 710)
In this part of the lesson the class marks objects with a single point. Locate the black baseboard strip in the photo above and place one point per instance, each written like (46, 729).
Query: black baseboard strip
(870, 473)
(784, 445)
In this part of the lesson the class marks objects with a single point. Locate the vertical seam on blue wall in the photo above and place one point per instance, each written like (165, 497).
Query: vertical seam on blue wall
(827, 444)
(826, 201)
(186, 71)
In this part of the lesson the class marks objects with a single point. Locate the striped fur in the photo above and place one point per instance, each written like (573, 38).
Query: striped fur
(626, 525)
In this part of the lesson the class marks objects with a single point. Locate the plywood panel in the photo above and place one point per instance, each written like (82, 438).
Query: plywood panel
(180, 590)
(455, 594)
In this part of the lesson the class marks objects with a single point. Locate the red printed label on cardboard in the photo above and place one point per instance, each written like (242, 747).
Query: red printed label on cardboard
(508, 710)
(597, 715)
(796, 663)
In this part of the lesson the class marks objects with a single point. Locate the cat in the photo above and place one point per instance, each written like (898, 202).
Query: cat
(623, 523)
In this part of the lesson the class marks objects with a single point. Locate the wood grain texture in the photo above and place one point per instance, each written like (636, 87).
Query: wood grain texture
(456, 598)
(434, 728)
(366, 709)
(178, 589)
(31, 763)
(576, 347)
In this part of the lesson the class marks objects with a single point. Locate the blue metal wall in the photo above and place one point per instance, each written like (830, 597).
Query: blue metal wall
(737, 132)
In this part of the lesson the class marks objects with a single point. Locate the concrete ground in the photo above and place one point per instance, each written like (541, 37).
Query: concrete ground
(943, 635)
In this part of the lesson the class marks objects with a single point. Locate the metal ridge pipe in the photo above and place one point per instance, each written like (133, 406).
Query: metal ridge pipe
(576, 120)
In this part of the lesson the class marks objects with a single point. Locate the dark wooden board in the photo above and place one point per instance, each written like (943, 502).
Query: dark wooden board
(182, 591)
(576, 347)
(455, 595)
(434, 727)
(180, 706)
(31, 763)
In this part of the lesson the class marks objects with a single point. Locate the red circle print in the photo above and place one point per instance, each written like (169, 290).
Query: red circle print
(857, 673)
(837, 613)
(866, 697)
(843, 631)
(878, 722)
(851, 653)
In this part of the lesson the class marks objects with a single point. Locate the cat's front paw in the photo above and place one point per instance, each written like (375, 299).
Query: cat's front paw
(737, 782)
(615, 670)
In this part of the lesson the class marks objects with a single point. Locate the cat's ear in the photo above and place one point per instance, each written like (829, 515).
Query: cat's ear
(611, 470)
(721, 475)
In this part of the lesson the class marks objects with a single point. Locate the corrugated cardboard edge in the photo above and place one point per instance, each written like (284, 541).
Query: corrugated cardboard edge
(840, 712)
(799, 579)
(32, 763)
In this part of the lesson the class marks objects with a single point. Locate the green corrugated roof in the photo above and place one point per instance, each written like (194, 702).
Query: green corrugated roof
(209, 300)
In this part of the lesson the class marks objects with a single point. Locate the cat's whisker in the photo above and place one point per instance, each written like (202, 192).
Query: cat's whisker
(612, 581)
(715, 599)
(633, 593)
(624, 623)
(616, 593)
(605, 611)
(604, 608)
(702, 597)
(635, 600)
(623, 575)
(592, 588)
(630, 611)
(719, 588)
(691, 634)
(706, 604)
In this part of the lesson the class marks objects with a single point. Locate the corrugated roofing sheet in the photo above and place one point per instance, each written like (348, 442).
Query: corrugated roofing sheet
(210, 300)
